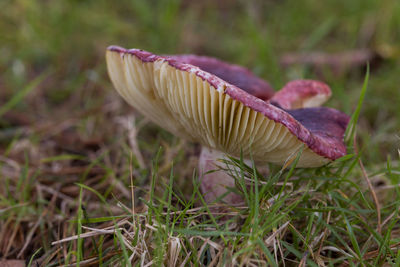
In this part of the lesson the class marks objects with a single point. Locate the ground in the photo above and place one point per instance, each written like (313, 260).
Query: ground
(71, 148)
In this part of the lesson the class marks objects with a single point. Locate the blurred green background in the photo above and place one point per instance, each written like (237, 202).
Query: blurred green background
(66, 40)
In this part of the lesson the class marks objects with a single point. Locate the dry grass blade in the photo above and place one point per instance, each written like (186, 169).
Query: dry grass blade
(175, 249)
(31, 233)
(370, 186)
(335, 249)
(132, 193)
(373, 254)
(128, 123)
(94, 232)
(325, 233)
(94, 261)
(375, 198)
(271, 239)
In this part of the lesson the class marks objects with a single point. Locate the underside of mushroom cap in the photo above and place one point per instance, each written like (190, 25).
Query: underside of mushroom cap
(200, 106)
(231, 73)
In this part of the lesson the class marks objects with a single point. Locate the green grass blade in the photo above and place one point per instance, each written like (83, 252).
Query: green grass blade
(123, 247)
(33, 256)
(351, 127)
(79, 252)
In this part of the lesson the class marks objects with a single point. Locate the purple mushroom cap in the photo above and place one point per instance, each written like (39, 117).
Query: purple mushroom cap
(227, 108)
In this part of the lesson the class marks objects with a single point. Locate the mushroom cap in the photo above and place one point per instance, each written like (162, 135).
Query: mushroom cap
(302, 94)
(200, 106)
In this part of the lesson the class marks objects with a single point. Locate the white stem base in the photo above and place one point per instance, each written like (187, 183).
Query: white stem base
(215, 184)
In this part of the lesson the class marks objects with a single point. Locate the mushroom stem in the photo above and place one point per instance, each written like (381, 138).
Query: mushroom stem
(216, 183)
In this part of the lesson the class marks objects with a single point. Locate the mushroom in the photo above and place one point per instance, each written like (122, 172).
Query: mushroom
(230, 111)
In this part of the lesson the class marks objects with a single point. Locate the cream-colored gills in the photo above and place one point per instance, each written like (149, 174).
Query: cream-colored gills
(190, 107)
